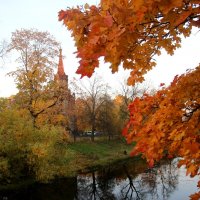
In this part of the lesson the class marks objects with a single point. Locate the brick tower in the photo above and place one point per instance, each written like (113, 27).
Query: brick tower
(66, 105)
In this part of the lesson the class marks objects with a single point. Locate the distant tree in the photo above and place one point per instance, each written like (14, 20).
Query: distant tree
(36, 53)
(3, 49)
(128, 93)
(91, 95)
(106, 117)
(82, 120)
(3, 103)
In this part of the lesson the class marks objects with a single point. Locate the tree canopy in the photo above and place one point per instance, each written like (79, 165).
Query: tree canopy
(167, 123)
(92, 99)
(36, 53)
(128, 32)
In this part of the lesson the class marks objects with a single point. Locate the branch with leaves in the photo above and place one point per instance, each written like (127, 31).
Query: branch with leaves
(129, 33)
(168, 123)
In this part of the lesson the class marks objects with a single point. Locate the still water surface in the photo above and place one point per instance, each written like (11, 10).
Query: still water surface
(130, 180)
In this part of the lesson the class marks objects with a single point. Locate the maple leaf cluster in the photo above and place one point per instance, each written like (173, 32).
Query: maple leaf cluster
(168, 123)
(128, 32)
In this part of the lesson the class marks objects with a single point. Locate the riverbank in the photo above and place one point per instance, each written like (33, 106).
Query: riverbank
(87, 155)
(128, 178)
(82, 157)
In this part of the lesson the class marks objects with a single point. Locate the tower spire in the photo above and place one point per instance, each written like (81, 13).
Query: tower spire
(61, 71)
(61, 76)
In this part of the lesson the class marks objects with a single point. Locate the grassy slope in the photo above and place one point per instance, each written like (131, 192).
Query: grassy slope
(83, 156)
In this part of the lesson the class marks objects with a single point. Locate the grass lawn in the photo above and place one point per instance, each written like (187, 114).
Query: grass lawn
(86, 155)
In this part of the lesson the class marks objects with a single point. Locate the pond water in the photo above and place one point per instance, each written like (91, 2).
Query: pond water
(127, 180)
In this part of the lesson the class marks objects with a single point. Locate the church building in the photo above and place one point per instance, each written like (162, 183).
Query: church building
(66, 104)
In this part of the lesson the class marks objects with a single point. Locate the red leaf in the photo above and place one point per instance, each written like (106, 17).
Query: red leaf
(108, 20)
(61, 15)
(195, 196)
(151, 163)
(124, 131)
(170, 156)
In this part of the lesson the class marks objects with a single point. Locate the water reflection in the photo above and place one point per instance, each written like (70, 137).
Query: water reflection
(129, 182)
(126, 181)
(58, 190)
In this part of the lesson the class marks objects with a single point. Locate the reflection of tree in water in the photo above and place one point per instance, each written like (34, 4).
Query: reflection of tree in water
(61, 189)
(106, 182)
(95, 187)
(160, 181)
(125, 184)
(131, 189)
(88, 188)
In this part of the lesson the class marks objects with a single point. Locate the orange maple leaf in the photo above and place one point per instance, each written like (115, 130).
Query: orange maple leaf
(61, 15)
(195, 196)
(182, 17)
(108, 20)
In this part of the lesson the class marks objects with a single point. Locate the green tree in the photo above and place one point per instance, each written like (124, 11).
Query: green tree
(26, 151)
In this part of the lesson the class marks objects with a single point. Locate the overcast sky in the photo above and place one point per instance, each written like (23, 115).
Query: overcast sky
(42, 15)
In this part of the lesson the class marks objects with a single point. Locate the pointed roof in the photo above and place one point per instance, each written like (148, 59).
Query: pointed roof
(61, 73)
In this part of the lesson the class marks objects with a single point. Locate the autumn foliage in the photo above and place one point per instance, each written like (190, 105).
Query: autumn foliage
(167, 123)
(130, 33)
